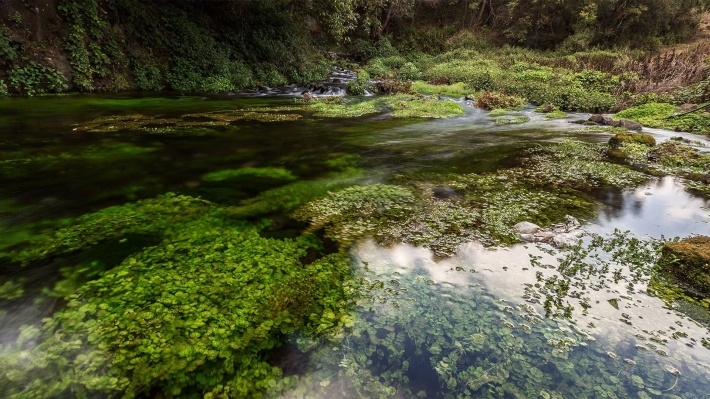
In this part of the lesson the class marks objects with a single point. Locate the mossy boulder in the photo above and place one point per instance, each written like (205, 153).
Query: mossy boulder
(688, 262)
(627, 137)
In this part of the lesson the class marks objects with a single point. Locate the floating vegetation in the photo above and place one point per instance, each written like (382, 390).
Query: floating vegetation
(249, 173)
(13, 164)
(240, 115)
(185, 125)
(511, 120)
(413, 336)
(577, 164)
(207, 302)
(424, 108)
(594, 265)
(337, 108)
(556, 115)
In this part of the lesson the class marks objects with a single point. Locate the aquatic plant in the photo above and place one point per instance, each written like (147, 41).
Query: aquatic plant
(191, 315)
(593, 266)
(556, 115)
(152, 216)
(577, 164)
(249, 173)
(417, 336)
(511, 121)
(622, 138)
(336, 109)
(424, 108)
(454, 90)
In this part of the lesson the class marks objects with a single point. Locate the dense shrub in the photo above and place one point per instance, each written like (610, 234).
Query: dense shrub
(496, 100)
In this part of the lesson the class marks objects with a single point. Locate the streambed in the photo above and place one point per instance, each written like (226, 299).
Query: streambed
(431, 325)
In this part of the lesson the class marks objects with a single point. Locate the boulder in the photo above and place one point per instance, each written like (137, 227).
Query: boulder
(688, 263)
(568, 239)
(608, 121)
(444, 192)
(526, 228)
(597, 118)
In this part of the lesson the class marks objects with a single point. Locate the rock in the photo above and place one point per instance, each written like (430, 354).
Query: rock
(688, 262)
(621, 138)
(528, 237)
(526, 228)
(572, 221)
(445, 192)
(544, 236)
(563, 240)
(470, 97)
(596, 118)
(605, 120)
(306, 95)
(685, 108)
(630, 125)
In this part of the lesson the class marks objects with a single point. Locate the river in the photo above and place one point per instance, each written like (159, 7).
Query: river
(452, 326)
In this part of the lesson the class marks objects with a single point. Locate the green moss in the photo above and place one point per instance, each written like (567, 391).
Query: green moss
(688, 261)
(249, 173)
(498, 112)
(660, 115)
(425, 108)
(511, 121)
(620, 139)
(335, 108)
(556, 115)
(285, 199)
(453, 90)
(143, 217)
(650, 114)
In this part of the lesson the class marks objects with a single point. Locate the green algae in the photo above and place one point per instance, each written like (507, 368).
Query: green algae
(556, 115)
(206, 303)
(453, 90)
(516, 120)
(424, 108)
(143, 217)
(249, 173)
(337, 109)
(417, 336)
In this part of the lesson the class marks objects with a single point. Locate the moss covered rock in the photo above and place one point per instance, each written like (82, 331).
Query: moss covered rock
(688, 262)
(622, 138)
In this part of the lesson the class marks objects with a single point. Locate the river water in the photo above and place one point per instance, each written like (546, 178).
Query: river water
(454, 327)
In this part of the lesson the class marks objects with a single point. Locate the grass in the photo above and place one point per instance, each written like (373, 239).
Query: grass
(454, 90)
(425, 108)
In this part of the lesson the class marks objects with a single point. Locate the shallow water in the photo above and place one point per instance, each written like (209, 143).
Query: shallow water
(461, 324)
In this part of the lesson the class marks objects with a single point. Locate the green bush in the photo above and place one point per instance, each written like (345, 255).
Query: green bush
(148, 76)
(496, 100)
(408, 71)
(454, 90)
(34, 78)
(377, 68)
(360, 85)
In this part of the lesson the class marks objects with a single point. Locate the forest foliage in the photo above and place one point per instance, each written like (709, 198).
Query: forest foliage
(223, 46)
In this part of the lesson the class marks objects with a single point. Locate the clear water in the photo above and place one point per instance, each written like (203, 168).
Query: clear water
(457, 327)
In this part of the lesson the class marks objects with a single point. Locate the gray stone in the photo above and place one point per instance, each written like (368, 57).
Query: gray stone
(597, 118)
(572, 221)
(567, 239)
(527, 237)
(526, 228)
